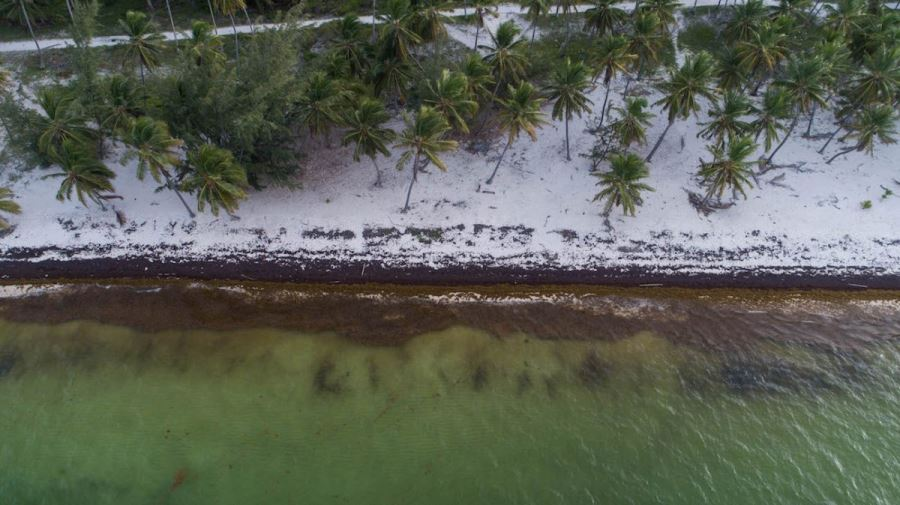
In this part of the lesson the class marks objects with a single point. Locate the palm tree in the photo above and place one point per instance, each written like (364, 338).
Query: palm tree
(205, 47)
(604, 17)
(664, 10)
(505, 58)
(423, 138)
(879, 80)
(218, 179)
(521, 112)
(646, 42)
(318, 106)
(729, 168)
(430, 24)
(612, 57)
(535, 10)
(631, 127)
(8, 206)
(567, 92)
(762, 52)
(683, 89)
(770, 116)
(122, 103)
(565, 8)
(730, 72)
(366, 130)
(482, 8)
(144, 43)
(844, 16)
(349, 44)
(804, 84)
(874, 123)
(229, 8)
(836, 57)
(397, 37)
(449, 95)
(82, 172)
(156, 151)
(745, 20)
(478, 76)
(726, 119)
(621, 185)
(62, 121)
(877, 83)
(391, 77)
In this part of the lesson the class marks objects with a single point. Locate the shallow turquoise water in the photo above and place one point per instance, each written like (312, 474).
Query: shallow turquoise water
(95, 413)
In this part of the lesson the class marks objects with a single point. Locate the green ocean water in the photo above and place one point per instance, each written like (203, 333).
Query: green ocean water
(100, 412)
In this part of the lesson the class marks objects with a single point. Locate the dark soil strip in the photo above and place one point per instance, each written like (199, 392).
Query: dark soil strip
(17, 267)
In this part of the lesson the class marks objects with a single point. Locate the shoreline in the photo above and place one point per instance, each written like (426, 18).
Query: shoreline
(447, 273)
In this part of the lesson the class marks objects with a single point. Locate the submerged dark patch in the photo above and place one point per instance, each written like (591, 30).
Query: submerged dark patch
(479, 378)
(593, 371)
(323, 382)
(773, 376)
(8, 360)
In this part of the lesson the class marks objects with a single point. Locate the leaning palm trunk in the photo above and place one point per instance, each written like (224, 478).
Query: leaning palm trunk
(374, 19)
(69, 8)
(173, 187)
(172, 22)
(237, 44)
(477, 30)
(842, 152)
(249, 21)
(377, 173)
(508, 142)
(31, 31)
(568, 156)
(605, 99)
(212, 15)
(412, 181)
(658, 142)
(812, 117)
(787, 134)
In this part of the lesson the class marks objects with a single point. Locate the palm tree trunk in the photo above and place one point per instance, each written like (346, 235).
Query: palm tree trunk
(605, 98)
(477, 30)
(237, 44)
(374, 12)
(658, 142)
(412, 181)
(812, 116)
(172, 22)
(377, 173)
(830, 138)
(31, 31)
(491, 178)
(71, 14)
(141, 66)
(212, 15)
(568, 156)
(249, 21)
(841, 153)
(534, 29)
(174, 188)
(786, 135)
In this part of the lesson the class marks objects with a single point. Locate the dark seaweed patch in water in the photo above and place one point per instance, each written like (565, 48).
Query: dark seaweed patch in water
(772, 377)
(8, 360)
(523, 383)
(323, 382)
(593, 370)
(374, 378)
(479, 378)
